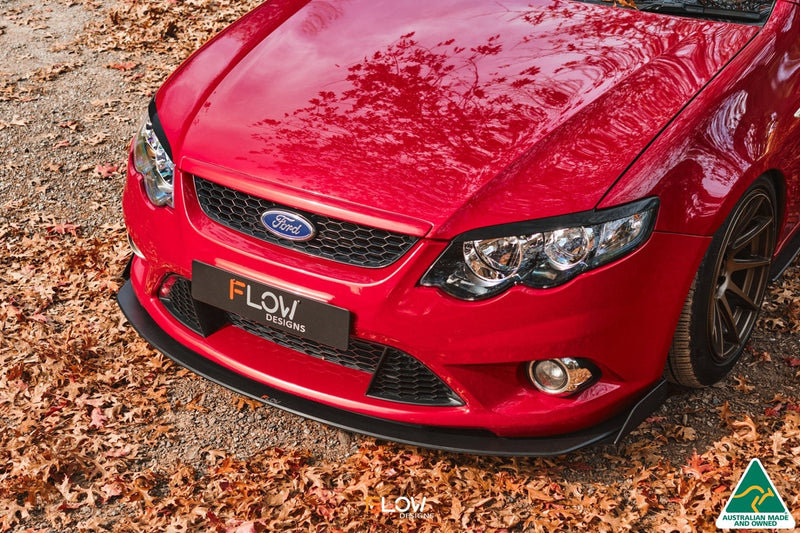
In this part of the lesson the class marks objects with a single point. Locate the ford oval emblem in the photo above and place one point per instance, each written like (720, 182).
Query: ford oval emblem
(288, 225)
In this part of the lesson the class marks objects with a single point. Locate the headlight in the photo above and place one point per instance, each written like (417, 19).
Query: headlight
(154, 163)
(540, 253)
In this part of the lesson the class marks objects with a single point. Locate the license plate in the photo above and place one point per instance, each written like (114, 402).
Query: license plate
(270, 306)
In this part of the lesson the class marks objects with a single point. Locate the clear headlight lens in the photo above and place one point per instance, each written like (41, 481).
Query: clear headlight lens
(567, 248)
(473, 269)
(153, 162)
(494, 259)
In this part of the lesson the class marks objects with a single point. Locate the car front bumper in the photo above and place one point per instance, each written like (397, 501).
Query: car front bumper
(445, 438)
(619, 317)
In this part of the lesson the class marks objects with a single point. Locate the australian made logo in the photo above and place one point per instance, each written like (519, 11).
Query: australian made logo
(755, 503)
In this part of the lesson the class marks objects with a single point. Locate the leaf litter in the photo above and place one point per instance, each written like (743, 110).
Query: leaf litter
(85, 404)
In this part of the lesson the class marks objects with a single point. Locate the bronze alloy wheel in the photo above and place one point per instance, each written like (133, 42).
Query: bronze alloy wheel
(723, 303)
(742, 275)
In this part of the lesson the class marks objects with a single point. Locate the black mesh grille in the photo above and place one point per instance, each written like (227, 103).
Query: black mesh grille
(401, 378)
(359, 355)
(181, 304)
(337, 240)
(397, 376)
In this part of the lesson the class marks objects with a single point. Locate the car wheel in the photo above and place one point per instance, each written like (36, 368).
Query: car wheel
(725, 297)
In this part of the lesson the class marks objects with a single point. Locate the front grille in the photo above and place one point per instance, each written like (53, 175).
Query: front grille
(337, 240)
(396, 376)
(359, 355)
(401, 378)
(180, 303)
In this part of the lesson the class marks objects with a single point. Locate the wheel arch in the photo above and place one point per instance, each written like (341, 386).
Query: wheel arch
(723, 302)
(738, 189)
(779, 184)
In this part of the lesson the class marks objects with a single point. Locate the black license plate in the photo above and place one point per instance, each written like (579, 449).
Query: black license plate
(286, 311)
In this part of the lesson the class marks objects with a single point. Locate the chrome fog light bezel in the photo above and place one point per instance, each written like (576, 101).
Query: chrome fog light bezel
(579, 373)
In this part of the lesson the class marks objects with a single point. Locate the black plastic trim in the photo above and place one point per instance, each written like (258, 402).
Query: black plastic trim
(644, 408)
(126, 272)
(784, 259)
(694, 9)
(450, 439)
(158, 128)
(687, 9)
(584, 218)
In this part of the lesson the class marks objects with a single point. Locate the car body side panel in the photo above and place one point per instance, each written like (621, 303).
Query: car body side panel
(740, 127)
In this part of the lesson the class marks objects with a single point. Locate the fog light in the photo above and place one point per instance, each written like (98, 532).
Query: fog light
(561, 376)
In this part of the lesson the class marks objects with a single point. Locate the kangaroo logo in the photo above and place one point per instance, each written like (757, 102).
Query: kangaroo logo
(759, 498)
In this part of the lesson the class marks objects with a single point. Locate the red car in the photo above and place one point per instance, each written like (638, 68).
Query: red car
(478, 226)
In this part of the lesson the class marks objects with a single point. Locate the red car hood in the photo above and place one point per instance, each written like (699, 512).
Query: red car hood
(456, 113)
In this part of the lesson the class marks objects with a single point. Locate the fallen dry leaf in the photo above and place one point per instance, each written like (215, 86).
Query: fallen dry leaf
(106, 170)
(128, 65)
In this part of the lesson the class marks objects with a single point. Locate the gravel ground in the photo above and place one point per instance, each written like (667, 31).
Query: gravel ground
(91, 107)
(66, 95)
(67, 124)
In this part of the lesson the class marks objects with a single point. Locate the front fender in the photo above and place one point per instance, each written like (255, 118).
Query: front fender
(738, 128)
(187, 89)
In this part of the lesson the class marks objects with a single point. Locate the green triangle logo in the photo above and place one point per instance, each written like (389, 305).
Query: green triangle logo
(755, 503)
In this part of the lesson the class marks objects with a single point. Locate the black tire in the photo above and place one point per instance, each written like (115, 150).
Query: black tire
(727, 292)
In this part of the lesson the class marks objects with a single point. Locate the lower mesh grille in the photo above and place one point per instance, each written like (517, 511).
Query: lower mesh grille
(360, 355)
(181, 304)
(401, 378)
(397, 376)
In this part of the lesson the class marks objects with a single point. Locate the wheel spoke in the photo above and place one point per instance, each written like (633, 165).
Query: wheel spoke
(741, 295)
(751, 210)
(726, 314)
(762, 224)
(717, 339)
(745, 264)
